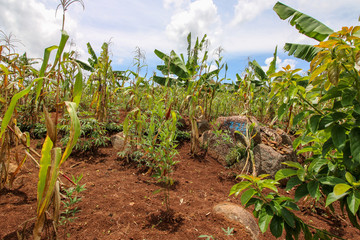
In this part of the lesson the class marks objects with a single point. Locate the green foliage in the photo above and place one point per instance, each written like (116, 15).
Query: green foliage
(273, 209)
(69, 204)
(307, 26)
(93, 135)
(39, 130)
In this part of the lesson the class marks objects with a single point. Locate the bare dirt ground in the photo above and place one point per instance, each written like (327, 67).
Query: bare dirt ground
(119, 202)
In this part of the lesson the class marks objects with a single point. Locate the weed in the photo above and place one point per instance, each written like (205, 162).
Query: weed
(71, 199)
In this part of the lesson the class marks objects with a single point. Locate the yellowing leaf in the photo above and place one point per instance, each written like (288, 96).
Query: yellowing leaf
(341, 188)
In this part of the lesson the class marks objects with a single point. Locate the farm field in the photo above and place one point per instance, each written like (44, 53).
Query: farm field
(119, 202)
(89, 152)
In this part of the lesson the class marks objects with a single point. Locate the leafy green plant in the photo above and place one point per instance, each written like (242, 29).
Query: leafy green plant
(93, 135)
(71, 199)
(330, 139)
(228, 231)
(39, 130)
(307, 26)
(273, 209)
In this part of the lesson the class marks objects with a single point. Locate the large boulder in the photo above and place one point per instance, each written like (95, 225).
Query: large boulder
(239, 124)
(268, 160)
(237, 213)
(275, 136)
(218, 146)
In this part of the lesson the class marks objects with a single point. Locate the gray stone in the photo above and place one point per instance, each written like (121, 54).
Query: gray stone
(268, 161)
(237, 213)
(240, 124)
(118, 141)
(217, 146)
(203, 126)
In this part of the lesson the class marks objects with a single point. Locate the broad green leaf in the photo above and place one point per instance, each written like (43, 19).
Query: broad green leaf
(11, 107)
(74, 130)
(293, 164)
(338, 136)
(288, 217)
(331, 180)
(301, 192)
(277, 226)
(350, 178)
(291, 205)
(44, 65)
(270, 184)
(347, 97)
(332, 93)
(353, 201)
(63, 40)
(314, 123)
(265, 216)
(305, 150)
(313, 188)
(302, 51)
(327, 146)
(282, 110)
(259, 72)
(294, 181)
(341, 188)
(317, 164)
(338, 116)
(45, 162)
(298, 118)
(355, 143)
(164, 81)
(239, 187)
(325, 122)
(332, 197)
(247, 195)
(285, 173)
(51, 178)
(301, 174)
(94, 59)
(77, 92)
(304, 23)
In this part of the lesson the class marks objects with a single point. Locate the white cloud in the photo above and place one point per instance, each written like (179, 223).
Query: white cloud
(200, 17)
(280, 64)
(247, 10)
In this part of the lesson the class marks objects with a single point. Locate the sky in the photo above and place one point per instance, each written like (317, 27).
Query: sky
(244, 29)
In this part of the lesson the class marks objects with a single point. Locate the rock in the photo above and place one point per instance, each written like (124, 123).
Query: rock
(279, 136)
(237, 213)
(270, 134)
(117, 141)
(203, 126)
(268, 161)
(240, 124)
(218, 147)
(285, 138)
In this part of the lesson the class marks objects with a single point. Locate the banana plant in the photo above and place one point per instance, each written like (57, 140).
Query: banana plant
(305, 25)
(192, 75)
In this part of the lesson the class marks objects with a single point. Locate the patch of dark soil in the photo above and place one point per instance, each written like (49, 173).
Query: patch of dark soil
(165, 221)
